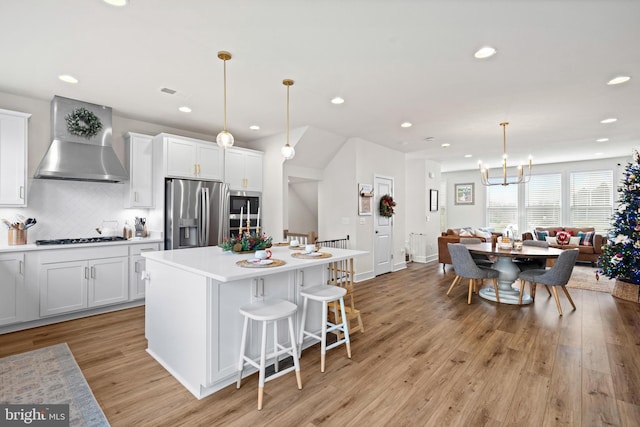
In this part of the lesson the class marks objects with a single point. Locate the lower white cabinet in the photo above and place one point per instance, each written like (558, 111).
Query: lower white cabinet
(12, 290)
(136, 268)
(76, 279)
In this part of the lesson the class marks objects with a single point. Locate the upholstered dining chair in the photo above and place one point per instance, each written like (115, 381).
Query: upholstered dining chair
(479, 259)
(466, 268)
(556, 276)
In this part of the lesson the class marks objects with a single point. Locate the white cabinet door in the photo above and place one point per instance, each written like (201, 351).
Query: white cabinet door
(243, 169)
(11, 287)
(210, 161)
(63, 287)
(180, 157)
(108, 281)
(13, 158)
(139, 163)
(253, 171)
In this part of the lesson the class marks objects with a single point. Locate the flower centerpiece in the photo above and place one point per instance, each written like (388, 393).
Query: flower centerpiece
(247, 242)
(386, 205)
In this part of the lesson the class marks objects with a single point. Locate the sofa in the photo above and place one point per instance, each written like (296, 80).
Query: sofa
(585, 239)
(453, 235)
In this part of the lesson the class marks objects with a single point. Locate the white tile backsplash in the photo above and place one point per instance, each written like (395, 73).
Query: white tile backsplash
(70, 209)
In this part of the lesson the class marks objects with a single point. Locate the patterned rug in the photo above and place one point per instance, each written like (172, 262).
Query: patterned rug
(584, 277)
(50, 375)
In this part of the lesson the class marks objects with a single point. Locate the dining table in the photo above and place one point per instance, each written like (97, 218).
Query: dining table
(508, 270)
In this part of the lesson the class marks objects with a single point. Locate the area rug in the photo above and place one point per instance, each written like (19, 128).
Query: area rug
(49, 376)
(584, 277)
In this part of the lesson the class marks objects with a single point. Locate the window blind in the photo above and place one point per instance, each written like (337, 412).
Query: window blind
(502, 206)
(591, 198)
(543, 201)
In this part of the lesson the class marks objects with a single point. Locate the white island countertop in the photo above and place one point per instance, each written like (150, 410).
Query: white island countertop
(213, 262)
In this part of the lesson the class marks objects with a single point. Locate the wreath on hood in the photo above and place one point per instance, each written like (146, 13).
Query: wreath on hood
(386, 205)
(82, 122)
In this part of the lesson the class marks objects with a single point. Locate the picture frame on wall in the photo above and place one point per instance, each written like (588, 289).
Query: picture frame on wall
(464, 194)
(365, 199)
(433, 200)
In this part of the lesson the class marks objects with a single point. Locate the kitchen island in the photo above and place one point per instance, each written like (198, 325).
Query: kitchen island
(192, 324)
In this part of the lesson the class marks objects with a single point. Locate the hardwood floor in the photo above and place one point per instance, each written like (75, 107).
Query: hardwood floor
(425, 359)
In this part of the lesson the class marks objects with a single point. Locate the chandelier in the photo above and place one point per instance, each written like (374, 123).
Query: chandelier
(224, 138)
(287, 151)
(520, 178)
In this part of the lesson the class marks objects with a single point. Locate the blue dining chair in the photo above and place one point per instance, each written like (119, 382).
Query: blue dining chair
(556, 276)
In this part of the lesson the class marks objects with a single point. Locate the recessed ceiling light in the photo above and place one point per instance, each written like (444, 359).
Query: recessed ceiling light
(254, 127)
(118, 3)
(185, 109)
(602, 139)
(598, 154)
(445, 145)
(406, 124)
(618, 80)
(609, 120)
(485, 52)
(468, 155)
(337, 100)
(68, 79)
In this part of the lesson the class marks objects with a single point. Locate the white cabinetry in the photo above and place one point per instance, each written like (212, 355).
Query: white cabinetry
(13, 158)
(243, 169)
(12, 290)
(191, 158)
(136, 267)
(139, 164)
(77, 279)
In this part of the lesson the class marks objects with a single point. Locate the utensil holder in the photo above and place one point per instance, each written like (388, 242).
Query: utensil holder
(17, 237)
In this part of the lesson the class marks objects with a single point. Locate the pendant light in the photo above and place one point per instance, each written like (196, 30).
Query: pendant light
(224, 138)
(287, 151)
(520, 178)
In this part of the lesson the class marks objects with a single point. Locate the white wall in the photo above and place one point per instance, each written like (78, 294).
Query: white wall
(303, 207)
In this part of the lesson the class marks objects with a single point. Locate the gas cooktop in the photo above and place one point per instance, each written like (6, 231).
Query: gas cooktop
(79, 240)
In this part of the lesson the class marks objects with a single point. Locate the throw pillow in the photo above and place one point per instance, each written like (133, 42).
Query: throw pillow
(540, 235)
(465, 233)
(485, 234)
(586, 239)
(551, 240)
(562, 237)
(574, 240)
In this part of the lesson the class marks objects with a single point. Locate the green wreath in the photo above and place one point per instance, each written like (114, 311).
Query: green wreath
(386, 205)
(82, 122)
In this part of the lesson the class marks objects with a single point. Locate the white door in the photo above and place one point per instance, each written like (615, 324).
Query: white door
(383, 228)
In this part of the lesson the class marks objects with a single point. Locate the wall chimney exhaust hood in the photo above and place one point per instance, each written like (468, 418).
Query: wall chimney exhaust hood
(81, 148)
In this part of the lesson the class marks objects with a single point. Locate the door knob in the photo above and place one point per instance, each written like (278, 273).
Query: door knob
(376, 231)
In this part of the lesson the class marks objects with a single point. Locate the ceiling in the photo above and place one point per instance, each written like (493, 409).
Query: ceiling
(392, 61)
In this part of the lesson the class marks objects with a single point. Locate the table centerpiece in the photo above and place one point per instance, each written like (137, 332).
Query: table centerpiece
(247, 242)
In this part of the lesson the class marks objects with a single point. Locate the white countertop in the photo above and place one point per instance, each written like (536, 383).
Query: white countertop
(213, 262)
(33, 247)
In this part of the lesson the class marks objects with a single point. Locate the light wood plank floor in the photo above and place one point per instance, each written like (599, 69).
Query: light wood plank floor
(425, 359)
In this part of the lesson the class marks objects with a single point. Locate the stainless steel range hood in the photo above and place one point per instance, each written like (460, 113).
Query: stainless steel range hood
(79, 158)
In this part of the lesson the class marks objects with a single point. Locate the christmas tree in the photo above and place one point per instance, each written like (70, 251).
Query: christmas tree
(621, 255)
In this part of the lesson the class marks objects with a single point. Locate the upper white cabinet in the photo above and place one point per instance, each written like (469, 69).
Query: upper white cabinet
(243, 169)
(191, 158)
(13, 158)
(139, 164)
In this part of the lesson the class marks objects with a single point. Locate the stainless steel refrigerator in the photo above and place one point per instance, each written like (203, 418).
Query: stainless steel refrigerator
(195, 213)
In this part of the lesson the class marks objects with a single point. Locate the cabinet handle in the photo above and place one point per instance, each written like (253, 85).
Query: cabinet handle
(135, 196)
(20, 267)
(136, 266)
(86, 272)
(93, 272)
(255, 293)
(301, 278)
(195, 169)
(262, 282)
(147, 249)
(22, 192)
(198, 169)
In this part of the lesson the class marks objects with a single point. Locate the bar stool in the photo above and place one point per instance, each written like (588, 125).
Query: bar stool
(325, 295)
(265, 311)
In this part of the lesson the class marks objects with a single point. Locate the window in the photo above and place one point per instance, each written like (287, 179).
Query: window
(502, 206)
(591, 199)
(543, 201)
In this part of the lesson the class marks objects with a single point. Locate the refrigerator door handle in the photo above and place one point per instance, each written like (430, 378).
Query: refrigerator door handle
(204, 217)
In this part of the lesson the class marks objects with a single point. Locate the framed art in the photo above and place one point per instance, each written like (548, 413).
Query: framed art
(433, 200)
(365, 197)
(464, 194)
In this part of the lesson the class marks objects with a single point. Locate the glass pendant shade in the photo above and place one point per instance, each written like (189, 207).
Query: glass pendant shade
(224, 139)
(288, 152)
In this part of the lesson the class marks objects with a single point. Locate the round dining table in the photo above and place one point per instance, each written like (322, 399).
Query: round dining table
(508, 270)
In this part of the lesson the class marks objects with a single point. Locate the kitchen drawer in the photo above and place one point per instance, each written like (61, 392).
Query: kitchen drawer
(137, 249)
(65, 255)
